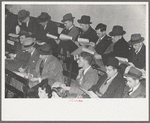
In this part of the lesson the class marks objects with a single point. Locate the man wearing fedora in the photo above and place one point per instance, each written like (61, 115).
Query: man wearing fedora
(134, 88)
(29, 24)
(28, 45)
(137, 53)
(87, 31)
(47, 67)
(46, 26)
(104, 40)
(111, 84)
(68, 46)
(120, 46)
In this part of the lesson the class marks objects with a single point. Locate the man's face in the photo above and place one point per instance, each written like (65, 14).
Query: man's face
(67, 24)
(84, 27)
(42, 93)
(131, 82)
(29, 50)
(22, 37)
(99, 33)
(115, 38)
(80, 61)
(43, 23)
(110, 71)
(137, 46)
(43, 56)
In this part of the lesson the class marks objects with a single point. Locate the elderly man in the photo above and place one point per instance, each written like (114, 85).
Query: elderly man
(104, 41)
(47, 67)
(134, 88)
(29, 24)
(87, 31)
(137, 54)
(111, 84)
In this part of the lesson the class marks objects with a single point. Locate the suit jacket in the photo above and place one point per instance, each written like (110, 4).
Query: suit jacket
(140, 92)
(103, 45)
(32, 62)
(33, 26)
(90, 78)
(69, 46)
(89, 34)
(115, 89)
(138, 59)
(52, 71)
(21, 60)
(120, 49)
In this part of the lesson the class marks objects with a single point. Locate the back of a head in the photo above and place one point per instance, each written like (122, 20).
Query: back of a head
(87, 56)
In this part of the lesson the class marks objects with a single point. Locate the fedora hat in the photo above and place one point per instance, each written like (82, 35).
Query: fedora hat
(136, 38)
(23, 14)
(67, 17)
(85, 19)
(45, 49)
(113, 62)
(28, 43)
(132, 72)
(117, 30)
(43, 17)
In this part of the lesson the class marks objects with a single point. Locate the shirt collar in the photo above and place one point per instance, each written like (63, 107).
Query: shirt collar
(138, 50)
(86, 69)
(27, 24)
(70, 27)
(32, 52)
(133, 89)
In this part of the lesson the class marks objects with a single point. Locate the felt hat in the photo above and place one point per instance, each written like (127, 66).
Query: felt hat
(136, 38)
(23, 14)
(28, 43)
(132, 72)
(45, 49)
(43, 17)
(85, 19)
(67, 17)
(114, 62)
(101, 26)
(117, 30)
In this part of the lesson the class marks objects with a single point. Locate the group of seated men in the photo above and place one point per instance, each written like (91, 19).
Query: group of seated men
(39, 57)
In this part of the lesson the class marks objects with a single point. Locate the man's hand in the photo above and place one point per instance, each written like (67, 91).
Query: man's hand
(21, 70)
(12, 56)
(97, 56)
(92, 44)
(34, 79)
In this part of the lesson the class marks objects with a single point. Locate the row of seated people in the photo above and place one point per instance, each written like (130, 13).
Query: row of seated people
(105, 46)
(43, 65)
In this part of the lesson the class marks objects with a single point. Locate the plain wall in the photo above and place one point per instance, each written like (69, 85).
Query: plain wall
(132, 17)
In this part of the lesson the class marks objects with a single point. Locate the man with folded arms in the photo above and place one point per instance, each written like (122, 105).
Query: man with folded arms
(111, 84)
(134, 88)
(137, 53)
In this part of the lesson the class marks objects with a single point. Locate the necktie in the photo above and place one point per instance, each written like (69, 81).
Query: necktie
(106, 81)
(129, 92)
(41, 66)
(81, 78)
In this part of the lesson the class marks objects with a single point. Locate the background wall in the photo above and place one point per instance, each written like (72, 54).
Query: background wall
(132, 17)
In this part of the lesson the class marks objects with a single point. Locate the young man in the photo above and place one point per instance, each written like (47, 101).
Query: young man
(134, 88)
(104, 41)
(137, 54)
(86, 78)
(111, 84)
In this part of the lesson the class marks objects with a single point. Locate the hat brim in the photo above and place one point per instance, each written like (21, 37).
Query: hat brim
(22, 19)
(83, 22)
(25, 47)
(41, 52)
(127, 75)
(67, 19)
(113, 34)
(135, 42)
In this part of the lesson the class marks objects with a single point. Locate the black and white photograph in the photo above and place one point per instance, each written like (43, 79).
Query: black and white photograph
(75, 61)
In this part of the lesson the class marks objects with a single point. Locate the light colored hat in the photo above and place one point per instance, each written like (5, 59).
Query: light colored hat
(28, 43)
